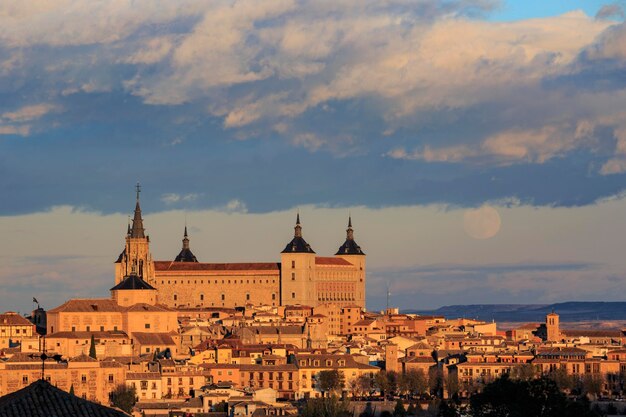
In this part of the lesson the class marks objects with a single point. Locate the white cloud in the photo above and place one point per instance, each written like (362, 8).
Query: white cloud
(173, 198)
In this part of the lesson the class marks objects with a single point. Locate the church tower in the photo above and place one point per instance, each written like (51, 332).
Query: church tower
(351, 252)
(135, 259)
(298, 271)
(553, 333)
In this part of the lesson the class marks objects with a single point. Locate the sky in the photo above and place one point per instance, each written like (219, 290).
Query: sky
(480, 145)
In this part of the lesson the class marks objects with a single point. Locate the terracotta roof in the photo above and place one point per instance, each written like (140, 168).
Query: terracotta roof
(83, 358)
(593, 333)
(153, 338)
(40, 399)
(142, 307)
(13, 319)
(110, 334)
(143, 375)
(327, 260)
(198, 266)
(88, 305)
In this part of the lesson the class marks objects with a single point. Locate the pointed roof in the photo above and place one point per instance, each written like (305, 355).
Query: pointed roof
(137, 231)
(350, 247)
(185, 254)
(298, 244)
(133, 282)
(41, 399)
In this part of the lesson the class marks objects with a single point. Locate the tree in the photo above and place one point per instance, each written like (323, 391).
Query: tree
(123, 397)
(539, 397)
(524, 372)
(382, 383)
(92, 347)
(413, 382)
(330, 381)
(72, 389)
(564, 381)
(399, 410)
(326, 407)
(592, 385)
(362, 385)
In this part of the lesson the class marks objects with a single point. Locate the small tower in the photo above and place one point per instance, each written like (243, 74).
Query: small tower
(553, 334)
(136, 255)
(298, 270)
(351, 252)
(185, 254)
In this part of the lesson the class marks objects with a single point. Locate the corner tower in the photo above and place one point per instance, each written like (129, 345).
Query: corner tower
(297, 271)
(351, 252)
(185, 254)
(135, 258)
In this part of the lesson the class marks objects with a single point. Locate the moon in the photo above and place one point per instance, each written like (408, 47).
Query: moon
(482, 223)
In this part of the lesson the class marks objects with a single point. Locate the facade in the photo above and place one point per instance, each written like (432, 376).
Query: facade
(300, 278)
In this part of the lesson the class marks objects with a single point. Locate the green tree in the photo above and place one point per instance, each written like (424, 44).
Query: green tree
(123, 397)
(564, 381)
(72, 389)
(330, 381)
(362, 385)
(92, 347)
(413, 382)
(592, 385)
(382, 383)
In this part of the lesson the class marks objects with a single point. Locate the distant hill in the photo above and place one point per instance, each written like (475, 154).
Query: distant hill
(569, 311)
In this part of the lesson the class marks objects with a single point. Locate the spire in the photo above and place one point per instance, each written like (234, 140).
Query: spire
(298, 244)
(350, 247)
(185, 239)
(137, 230)
(128, 230)
(185, 254)
(349, 230)
(298, 228)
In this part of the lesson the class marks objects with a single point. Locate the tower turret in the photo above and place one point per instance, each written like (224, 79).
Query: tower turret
(349, 247)
(298, 270)
(185, 254)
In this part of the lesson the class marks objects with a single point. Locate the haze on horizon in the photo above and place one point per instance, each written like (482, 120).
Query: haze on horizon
(479, 145)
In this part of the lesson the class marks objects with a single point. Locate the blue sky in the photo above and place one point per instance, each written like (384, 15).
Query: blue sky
(262, 107)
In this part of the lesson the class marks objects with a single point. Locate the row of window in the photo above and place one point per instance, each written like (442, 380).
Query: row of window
(223, 296)
(234, 281)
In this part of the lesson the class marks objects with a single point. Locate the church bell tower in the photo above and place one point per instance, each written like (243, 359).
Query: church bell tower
(135, 258)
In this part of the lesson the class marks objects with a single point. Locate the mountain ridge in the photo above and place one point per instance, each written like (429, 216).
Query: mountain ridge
(569, 311)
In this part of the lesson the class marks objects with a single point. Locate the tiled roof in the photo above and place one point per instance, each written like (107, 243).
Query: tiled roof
(153, 338)
(83, 358)
(142, 307)
(198, 266)
(88, 305)
(143, 375)
(13, 319)
(350, 247)
(40, 399)
(327, 260)
(109, 334)
(593, 333)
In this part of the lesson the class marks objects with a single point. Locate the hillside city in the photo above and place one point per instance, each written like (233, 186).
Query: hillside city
(255, 339)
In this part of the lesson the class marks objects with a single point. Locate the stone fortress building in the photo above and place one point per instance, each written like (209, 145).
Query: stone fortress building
(300, 278)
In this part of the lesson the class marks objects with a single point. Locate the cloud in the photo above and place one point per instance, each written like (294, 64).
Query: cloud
(22, 130)
(609, 11)
(29, 113)
(173, 198)
(512, 146)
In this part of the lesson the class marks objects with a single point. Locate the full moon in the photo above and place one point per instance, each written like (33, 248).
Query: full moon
(482, 223)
